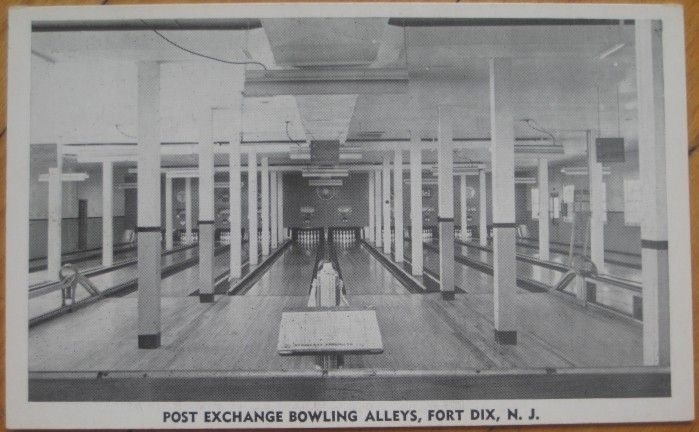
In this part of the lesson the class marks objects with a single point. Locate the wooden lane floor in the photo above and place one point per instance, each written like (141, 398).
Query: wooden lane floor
(234, 333)
(464, 328)
(420, 331)
(185, 282)
(365, 275)
(239, 341)
(467, 279)
(290, 275)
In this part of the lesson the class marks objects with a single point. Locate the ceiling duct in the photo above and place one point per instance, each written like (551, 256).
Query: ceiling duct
(325, 152)
(261, 83)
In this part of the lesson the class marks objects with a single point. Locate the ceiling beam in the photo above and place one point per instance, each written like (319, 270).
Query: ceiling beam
(490, 22)
(136, 25)
(296, 82)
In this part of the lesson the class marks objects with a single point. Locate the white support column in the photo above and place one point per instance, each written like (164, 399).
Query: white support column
(252, 208)
(273, 209)
(386, 197)
(149, 314)
(234, 191)
(378, 209)
(652, 174)
(372, 201)
(264, 179)
(55, 216)
(188, 208)
(445, 215)
(482, 209)
(544, 217)
(462, 206)
(168, 213)
(55, 179)
(398, 203)
(280, 207)
(597, 216)
(416, 237)
(207, 226)
(504, 226)
(107, 214)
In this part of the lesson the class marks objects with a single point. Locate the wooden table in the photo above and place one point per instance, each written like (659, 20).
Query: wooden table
(329, 330)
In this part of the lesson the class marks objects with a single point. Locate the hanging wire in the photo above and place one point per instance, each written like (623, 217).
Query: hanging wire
(118, 128)
(299, 143)
(532, 124)
(198, 54)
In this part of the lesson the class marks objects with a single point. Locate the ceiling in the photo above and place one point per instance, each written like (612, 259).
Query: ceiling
(558, 78)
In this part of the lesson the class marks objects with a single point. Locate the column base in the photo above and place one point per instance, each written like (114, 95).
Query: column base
(206, 298)
(506, 337)
(448, 295)
(446, 257)
(207, 233)
(149, 341)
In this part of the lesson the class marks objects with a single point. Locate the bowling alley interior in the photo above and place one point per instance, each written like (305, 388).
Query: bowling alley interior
(347, 209)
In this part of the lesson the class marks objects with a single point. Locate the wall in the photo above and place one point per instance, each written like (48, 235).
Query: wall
(42, 158)
(353, 193)
(617, 235)
(431, 201)
(178, 204)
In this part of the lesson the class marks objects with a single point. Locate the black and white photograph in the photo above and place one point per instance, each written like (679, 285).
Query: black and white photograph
(299, 215)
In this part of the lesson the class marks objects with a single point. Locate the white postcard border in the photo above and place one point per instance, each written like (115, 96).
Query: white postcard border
(23, 414)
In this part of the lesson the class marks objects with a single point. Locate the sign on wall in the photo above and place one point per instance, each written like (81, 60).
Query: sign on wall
(568, 194)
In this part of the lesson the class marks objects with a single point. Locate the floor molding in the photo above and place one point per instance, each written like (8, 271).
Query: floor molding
(352, 385)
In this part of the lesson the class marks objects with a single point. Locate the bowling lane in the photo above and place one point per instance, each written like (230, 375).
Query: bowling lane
(86, 259)
(524, 269)
(290, 274)
(607, 294)
(615, 268)
(52, 300)
(185, 282)
(465, 277)
(365, 275)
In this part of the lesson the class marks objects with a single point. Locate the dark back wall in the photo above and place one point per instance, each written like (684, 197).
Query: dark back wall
(353, 193)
